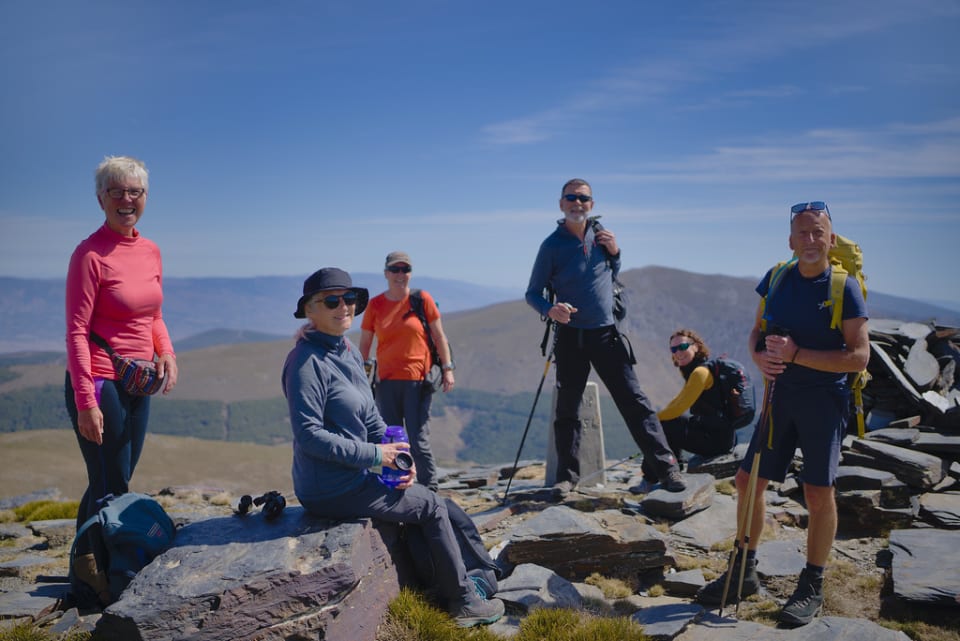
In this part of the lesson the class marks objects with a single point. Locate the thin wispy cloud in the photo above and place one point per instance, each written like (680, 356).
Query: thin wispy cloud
(773, 33)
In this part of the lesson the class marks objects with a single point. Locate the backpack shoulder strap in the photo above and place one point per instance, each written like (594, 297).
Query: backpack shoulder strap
(776, 276)
(416, 305)
(838, 282)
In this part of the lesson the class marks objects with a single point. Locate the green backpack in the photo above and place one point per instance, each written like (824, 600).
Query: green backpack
(846, 259)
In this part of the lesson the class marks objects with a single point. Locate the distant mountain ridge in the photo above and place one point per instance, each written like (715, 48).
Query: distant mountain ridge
(230, 378)
(32, 316)
(32, 313)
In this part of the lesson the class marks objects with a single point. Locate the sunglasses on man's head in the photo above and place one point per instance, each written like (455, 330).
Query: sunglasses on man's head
(581, 197)
(814, 205)
(679, 348)
(332, 301)
(399, 269)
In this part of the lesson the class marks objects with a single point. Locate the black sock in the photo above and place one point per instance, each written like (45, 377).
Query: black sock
(814, 571)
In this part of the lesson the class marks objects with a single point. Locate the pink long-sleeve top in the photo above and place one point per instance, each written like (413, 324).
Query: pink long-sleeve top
(115, 288)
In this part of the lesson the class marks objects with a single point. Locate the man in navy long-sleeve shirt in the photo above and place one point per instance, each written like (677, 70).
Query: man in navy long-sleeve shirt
(578, 262)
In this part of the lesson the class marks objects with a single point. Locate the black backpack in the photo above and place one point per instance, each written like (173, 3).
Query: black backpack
(434, 376)
(130, 531)
(736, 391)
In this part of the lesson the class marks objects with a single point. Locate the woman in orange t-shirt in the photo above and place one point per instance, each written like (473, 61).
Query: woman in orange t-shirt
(403, 360)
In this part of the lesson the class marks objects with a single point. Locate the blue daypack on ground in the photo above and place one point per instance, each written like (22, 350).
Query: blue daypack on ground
(133, 530)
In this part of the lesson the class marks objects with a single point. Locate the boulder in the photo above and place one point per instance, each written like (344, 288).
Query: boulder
(244, 578)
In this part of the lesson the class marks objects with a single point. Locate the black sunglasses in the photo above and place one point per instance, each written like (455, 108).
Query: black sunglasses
(814, 205)
(581, 197)
(399, 269)
(679, 348)
(332, 301)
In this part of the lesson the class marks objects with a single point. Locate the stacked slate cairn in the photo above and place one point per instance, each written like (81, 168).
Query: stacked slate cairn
(298, 577)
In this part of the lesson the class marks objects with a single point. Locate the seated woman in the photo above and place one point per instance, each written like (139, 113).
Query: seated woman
(336, 439)
(705, 430)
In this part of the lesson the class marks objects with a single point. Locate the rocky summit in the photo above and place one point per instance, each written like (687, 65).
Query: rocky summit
(299, 577)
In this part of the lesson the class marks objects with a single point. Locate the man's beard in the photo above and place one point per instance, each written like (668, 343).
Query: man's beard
(576, 218)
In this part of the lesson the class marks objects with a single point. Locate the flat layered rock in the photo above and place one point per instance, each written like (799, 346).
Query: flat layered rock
(924, 567)
(242, 578)
(577, 544)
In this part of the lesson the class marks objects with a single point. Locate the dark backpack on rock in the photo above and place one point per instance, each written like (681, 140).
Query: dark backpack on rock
(736, 391)
(480, 567)
(130, 531)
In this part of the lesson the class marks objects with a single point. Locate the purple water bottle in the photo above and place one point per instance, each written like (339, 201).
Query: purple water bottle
(389, 476)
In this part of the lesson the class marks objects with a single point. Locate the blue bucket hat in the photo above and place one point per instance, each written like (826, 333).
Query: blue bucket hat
(326, 279)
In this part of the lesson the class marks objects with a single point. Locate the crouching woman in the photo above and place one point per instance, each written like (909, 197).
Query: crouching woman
(336, 439)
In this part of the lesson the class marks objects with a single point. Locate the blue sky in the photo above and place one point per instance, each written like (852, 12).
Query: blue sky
(285, 136)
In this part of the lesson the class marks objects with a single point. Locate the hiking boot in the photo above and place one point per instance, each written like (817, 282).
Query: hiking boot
(478, 612)
(674, 481)
(85, 567)
(712, 593)
(805, 602)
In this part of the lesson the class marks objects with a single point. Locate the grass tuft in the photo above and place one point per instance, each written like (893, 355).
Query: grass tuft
(611, 588)
(26, 631)
(46, 510)
(568, 625)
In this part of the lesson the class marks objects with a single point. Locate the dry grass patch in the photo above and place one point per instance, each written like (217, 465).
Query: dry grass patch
(611, 588)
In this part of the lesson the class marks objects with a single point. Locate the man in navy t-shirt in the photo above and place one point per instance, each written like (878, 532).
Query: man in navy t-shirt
(810, 403)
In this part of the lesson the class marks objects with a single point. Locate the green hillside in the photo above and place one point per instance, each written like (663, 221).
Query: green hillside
(491, 435)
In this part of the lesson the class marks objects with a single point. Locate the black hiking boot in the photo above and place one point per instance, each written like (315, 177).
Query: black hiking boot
(712, 593)
(805, 602)
(674, 481)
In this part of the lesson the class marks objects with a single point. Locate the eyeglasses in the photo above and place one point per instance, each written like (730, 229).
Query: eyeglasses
(332, 301)
(399, 269)
(814, 205)
(118, 193)
(581, 197)
(679, 348)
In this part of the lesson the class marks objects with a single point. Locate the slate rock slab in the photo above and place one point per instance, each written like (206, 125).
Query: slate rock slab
(679, 505)
(911, 467)
(942, 509)
(711, 526)
(712, 628)
(532, 586)
(664, 622)
(244, 578)
(925, 566)
(576, 544)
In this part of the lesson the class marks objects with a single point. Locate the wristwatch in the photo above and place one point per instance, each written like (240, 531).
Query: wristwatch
(449, 367)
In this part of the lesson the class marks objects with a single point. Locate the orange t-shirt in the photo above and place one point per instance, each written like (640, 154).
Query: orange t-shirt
(402, 350)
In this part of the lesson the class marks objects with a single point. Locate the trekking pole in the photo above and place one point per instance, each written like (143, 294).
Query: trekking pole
(546, 368)
(609, 467)
(745, 518)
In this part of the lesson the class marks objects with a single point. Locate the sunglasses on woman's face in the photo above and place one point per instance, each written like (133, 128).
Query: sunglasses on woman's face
(679, 348)
(333, 300)
(399, 269)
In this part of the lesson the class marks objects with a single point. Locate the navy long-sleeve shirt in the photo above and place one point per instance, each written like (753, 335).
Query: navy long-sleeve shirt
(334, 418)
(580, 274)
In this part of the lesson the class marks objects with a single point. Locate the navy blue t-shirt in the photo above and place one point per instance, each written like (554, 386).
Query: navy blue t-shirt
(801, 306)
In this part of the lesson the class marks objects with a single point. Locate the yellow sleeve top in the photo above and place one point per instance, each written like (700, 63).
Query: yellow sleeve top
(700, 380)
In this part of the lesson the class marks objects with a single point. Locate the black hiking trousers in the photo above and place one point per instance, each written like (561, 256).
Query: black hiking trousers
(603, 349)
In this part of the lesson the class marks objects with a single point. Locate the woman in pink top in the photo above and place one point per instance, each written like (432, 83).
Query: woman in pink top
(114, 288)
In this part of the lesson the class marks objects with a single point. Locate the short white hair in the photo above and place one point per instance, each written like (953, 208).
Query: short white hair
(117, 168)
